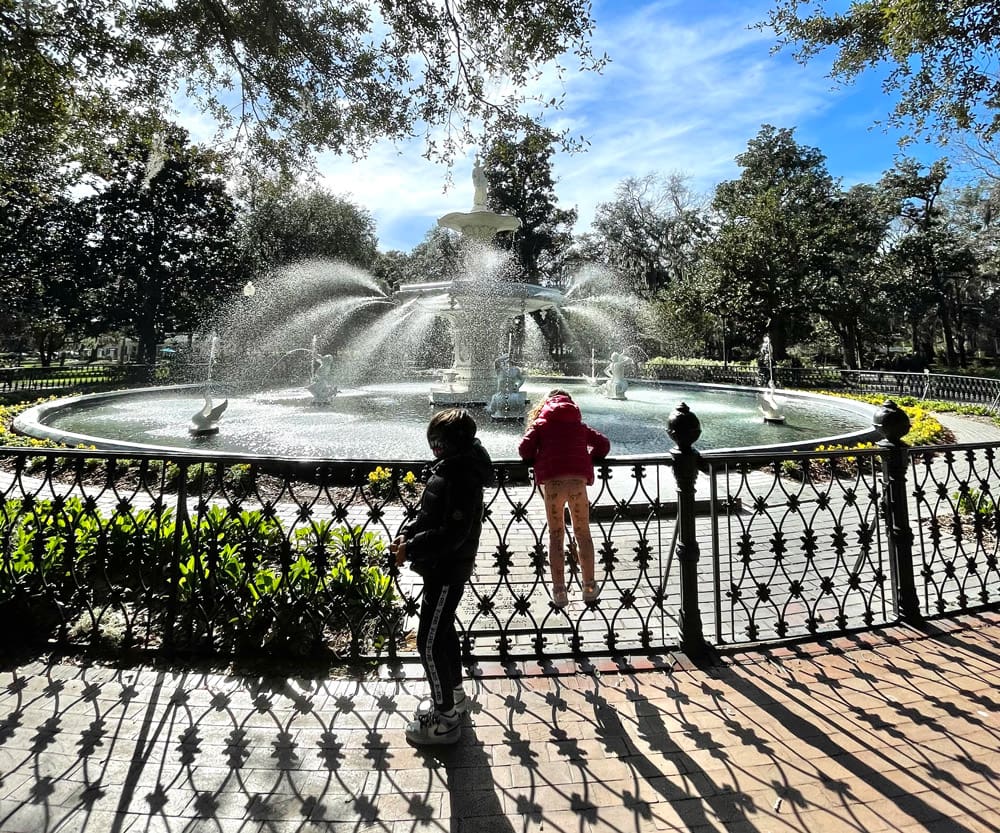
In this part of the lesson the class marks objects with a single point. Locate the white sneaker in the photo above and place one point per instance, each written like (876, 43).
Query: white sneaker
(435, 728)
(462, 703)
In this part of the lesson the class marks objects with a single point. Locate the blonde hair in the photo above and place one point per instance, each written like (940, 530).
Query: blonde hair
(533, 414)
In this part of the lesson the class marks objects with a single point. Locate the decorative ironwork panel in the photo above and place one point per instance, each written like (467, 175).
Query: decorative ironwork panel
(802, 551)
(956, 519)
(214, 554)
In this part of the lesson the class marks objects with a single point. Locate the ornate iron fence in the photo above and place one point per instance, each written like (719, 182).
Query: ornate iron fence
(80, 378)
(217, 554)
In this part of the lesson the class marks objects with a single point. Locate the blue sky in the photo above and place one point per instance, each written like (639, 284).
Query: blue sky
(689, 84)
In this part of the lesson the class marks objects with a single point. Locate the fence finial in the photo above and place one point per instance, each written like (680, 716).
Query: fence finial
(683, 427)
(892, 421)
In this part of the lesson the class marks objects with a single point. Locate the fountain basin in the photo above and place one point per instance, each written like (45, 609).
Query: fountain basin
(385, 422)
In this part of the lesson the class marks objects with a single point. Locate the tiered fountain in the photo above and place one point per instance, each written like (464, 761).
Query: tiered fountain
(479, 307)
(361, 400)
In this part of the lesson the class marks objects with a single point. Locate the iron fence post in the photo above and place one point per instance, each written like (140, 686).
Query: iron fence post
(893, 422)
(177, 549)
(684, 429)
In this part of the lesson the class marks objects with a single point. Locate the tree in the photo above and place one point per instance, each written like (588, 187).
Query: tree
(770, 223)
(437, 257)
(287, 78)
(519, 172)
(284, 224)
(40, 236)
(848, 289)
(932, 261)
(391, 269)
(650, 231)
(973, 212)
(162, 237)
(941, 57)
(43, 291)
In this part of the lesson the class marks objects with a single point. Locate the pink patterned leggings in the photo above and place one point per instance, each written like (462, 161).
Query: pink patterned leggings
(558, 494)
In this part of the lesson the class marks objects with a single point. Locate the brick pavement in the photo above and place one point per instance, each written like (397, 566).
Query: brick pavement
(891, 730)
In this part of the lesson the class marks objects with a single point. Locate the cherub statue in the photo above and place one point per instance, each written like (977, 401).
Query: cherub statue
(616, 385)
(323, 388)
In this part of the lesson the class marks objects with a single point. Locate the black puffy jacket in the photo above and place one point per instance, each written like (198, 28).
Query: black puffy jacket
(441, 541)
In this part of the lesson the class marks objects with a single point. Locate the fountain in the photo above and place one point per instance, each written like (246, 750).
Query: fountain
(360, 368)
(478, 307)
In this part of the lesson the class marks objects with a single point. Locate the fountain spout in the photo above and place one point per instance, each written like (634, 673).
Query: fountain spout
(205, 423)
(767, 401)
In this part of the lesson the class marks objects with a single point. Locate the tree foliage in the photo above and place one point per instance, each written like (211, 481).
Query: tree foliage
(848, 289)
(651, 230)
(766, 245)
(941, 57)
(161, 241)
(287, 78)
(519, 171)
(284, 223)
(931, 260)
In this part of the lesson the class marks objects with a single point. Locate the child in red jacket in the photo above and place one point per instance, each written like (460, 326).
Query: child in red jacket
(562, 449)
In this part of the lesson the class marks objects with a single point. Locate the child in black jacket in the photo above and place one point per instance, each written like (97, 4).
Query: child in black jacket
(441, 543)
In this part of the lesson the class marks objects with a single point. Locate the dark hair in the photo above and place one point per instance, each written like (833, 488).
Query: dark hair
(452, 427)
(533, 415)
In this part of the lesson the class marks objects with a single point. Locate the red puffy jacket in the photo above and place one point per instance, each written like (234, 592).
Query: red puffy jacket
(560, 444)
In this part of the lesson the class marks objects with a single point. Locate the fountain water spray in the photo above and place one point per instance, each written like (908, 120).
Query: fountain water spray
(205, 423)
(767, 401)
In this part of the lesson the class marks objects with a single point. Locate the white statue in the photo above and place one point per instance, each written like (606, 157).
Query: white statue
(770, 405)
(616, 385)
(509, 376)
(508, 402)
(206, 421)
(479, 181)
(323, 388)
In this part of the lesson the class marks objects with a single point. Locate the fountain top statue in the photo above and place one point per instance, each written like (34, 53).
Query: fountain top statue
(481, 186)
(481, 223)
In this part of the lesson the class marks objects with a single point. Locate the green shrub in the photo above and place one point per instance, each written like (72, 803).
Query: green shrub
(237, 582)
(971, 501)
(239, 479)
(924, 428)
